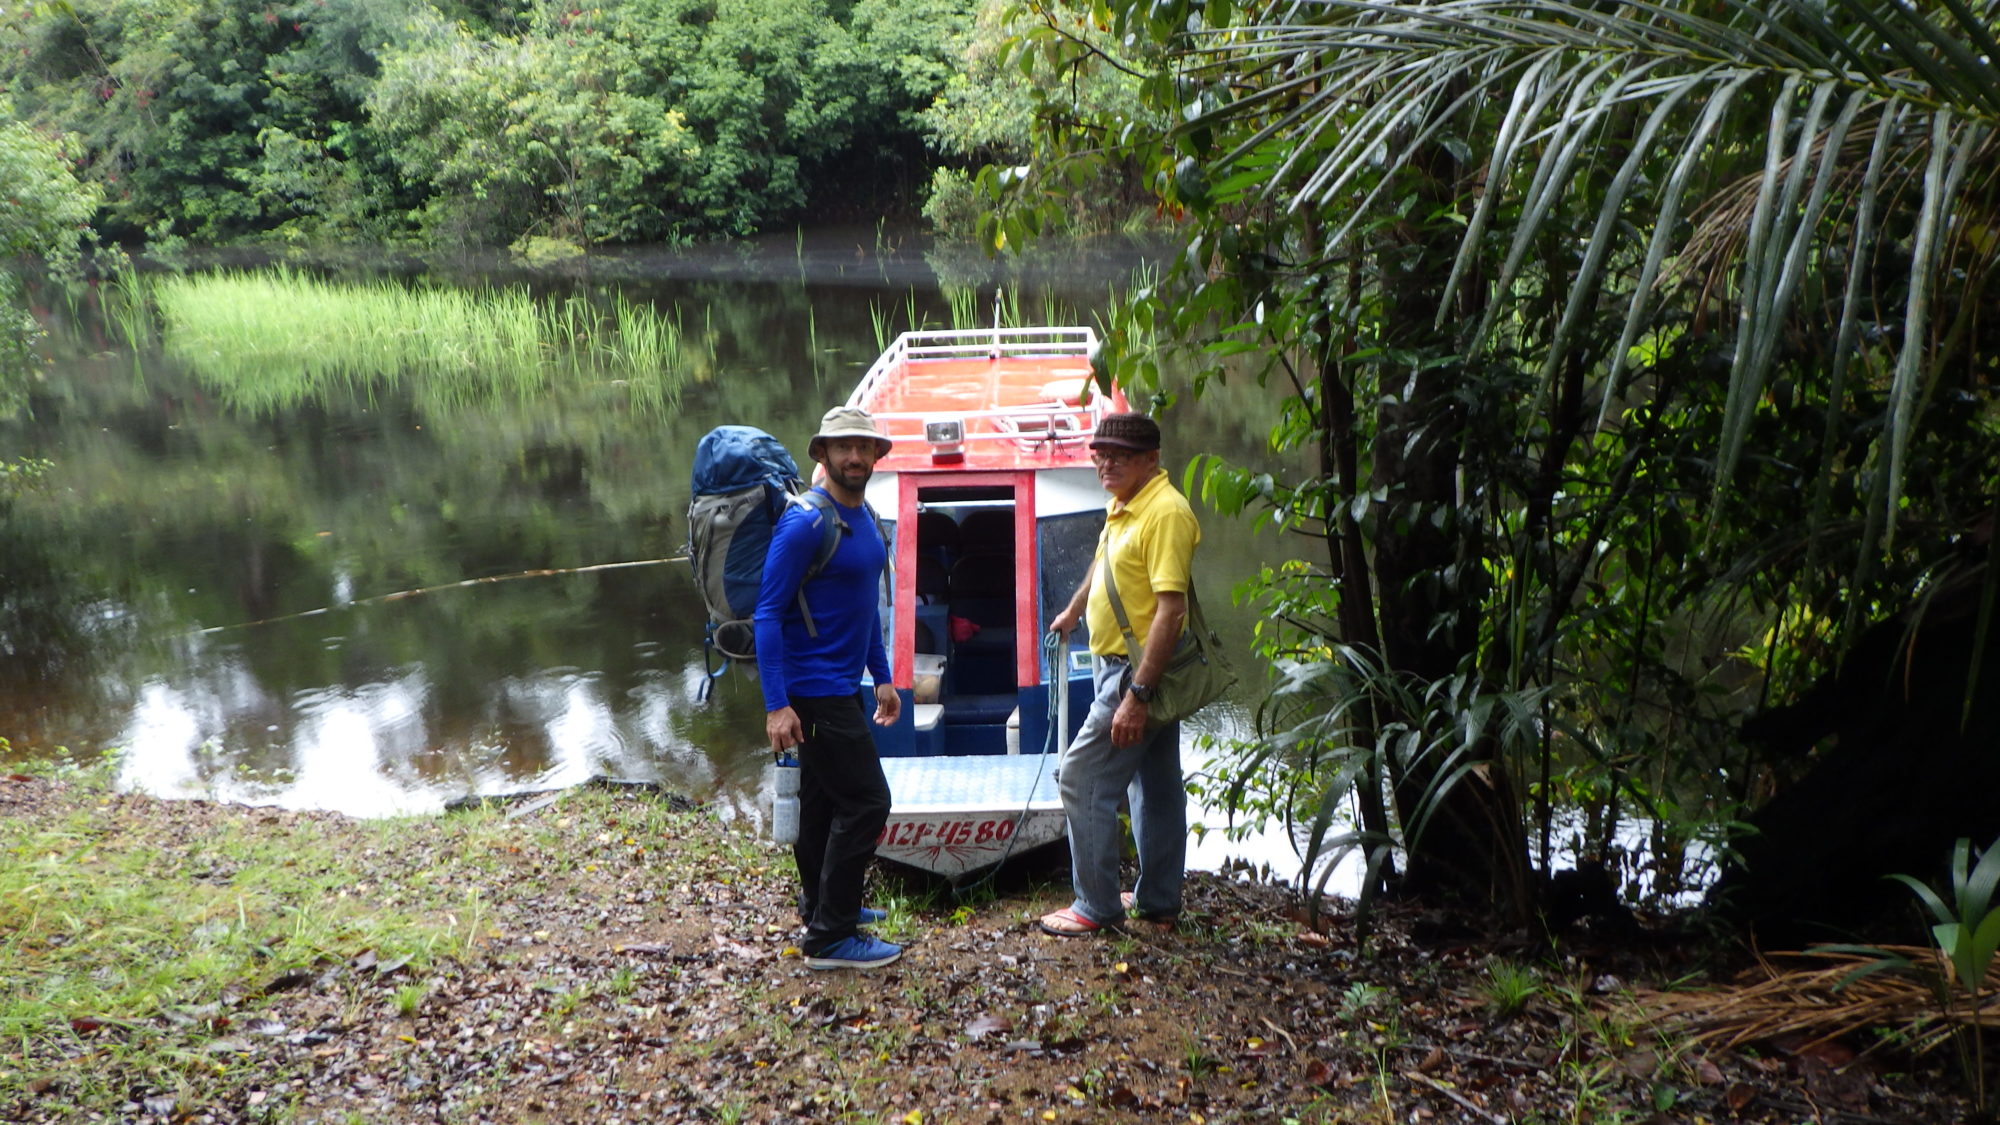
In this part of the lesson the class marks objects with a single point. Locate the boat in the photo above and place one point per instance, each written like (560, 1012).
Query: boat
(993, 512)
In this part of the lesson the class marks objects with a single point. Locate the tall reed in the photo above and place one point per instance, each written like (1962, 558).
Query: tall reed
(269, 338)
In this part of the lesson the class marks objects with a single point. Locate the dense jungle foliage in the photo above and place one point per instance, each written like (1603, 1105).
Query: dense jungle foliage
(1629, 362)
(481, 123)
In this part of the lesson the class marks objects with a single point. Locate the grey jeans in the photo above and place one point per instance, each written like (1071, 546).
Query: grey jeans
(1094, 776)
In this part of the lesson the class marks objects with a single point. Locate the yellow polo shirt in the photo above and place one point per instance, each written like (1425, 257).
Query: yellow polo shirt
(1150, 543)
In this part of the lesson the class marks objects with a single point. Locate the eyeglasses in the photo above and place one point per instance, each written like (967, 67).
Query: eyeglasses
(1115, 458)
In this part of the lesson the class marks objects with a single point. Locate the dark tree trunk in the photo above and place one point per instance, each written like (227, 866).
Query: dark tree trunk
(1347, 550)
(1464, 840)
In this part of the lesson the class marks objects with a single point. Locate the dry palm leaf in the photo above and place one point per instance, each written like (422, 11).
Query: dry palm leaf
(1824, 993)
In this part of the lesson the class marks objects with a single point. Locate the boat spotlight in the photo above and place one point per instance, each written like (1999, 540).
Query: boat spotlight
(946, 437)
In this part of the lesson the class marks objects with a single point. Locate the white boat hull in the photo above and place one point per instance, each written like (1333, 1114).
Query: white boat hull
(957, 815)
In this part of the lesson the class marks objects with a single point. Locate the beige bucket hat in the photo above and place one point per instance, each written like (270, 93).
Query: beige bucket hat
(847, 422)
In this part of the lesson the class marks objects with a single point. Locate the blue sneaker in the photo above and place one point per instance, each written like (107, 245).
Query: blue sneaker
(857, 952)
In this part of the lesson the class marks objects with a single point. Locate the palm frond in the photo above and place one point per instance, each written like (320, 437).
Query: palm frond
(1787, 134)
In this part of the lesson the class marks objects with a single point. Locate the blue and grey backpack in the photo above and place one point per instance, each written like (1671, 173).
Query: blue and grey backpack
(743, 480)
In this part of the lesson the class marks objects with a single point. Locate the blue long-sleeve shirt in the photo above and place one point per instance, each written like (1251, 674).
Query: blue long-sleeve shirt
(844, 602)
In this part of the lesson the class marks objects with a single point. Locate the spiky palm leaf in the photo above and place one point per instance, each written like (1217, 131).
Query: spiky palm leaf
(1837, 127)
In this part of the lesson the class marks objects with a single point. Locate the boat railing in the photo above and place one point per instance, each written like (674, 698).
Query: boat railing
(1031, 422)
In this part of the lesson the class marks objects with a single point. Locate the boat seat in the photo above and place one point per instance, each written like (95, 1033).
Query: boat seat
(931, 629)
(986, 574)
(987, 611)
(989, 638)
(982, 670)
(933, 580)
(988, 530)
(937, 537)
(990, 708)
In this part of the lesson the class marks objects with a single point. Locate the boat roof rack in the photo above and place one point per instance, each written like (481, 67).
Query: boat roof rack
(1051, 420)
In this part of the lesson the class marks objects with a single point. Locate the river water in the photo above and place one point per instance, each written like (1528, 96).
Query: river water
(203, 582)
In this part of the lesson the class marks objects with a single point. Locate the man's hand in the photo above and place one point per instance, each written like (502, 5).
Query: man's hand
(888, 705)
(782, 727)
(1067, 621)
(1128, 723)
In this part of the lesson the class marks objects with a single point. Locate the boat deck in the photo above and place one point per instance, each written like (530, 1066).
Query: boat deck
(972, 783)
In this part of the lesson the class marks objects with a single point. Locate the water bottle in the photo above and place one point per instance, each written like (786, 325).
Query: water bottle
(785, 800)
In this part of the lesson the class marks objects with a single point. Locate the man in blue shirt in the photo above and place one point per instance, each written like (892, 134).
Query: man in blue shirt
(811, 662)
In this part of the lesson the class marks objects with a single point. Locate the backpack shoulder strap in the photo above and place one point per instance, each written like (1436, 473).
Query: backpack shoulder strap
(826, 515)
(831, 527)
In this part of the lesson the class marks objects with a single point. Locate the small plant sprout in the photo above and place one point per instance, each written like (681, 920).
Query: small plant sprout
(1195, 1057)
(1967, 933)
(1509, 988)
(409, 998)
(1361, 999)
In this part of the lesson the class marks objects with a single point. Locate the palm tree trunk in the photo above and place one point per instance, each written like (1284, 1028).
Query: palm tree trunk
(1461, 817)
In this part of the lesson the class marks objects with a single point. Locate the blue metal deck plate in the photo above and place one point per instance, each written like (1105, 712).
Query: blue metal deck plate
(972, 783)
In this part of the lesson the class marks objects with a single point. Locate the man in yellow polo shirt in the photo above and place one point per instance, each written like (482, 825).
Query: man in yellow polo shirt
(1149, 539)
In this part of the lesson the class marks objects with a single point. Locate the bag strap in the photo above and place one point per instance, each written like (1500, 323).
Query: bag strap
(1133, 649)
(829, 542)
(1118, 610)
(827, 507)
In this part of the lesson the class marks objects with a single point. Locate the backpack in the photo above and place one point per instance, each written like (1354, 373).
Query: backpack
(742, 482)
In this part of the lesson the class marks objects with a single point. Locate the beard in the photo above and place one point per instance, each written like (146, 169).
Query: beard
(853, 477)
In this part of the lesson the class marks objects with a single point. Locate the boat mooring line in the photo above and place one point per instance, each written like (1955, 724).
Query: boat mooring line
(1055, 649)
(400, 594)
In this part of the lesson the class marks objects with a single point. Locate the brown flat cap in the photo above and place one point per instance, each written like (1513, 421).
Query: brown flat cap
(1127, 431)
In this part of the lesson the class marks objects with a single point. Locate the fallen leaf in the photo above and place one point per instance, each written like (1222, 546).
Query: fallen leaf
(1639, 1064)
(988, 1024)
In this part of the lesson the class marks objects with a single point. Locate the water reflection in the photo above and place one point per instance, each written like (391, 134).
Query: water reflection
(392, 746)
(151, 596)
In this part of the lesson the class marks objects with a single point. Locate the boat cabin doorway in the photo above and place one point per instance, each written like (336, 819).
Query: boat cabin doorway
(976, 584)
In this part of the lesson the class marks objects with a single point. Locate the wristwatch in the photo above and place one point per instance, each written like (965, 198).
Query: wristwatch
(1142, 692)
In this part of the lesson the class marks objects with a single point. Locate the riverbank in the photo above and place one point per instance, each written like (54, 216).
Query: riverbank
(617, 957)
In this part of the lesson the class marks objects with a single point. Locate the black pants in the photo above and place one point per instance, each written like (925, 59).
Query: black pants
(843, 804)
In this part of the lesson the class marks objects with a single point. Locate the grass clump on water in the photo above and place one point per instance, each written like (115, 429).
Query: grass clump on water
(274, 337)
